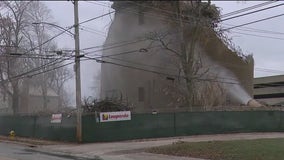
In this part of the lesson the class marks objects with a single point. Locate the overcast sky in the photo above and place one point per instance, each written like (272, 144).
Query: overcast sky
(267, 50)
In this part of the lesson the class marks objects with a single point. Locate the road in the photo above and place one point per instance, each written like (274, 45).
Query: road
(10, 151)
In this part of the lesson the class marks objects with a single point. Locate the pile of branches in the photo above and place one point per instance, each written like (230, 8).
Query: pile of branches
(106, 105)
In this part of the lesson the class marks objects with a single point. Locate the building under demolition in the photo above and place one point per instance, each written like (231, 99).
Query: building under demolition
(143, 63)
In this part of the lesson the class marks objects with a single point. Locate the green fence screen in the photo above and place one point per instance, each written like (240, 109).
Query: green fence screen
(145, 125)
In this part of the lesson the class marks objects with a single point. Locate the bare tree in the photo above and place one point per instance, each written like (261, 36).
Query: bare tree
(37, 35)
(12, 25)
(57, 81)
(27, 49)
(192, 20)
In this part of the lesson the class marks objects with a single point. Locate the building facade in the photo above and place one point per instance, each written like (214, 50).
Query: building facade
(269, 90)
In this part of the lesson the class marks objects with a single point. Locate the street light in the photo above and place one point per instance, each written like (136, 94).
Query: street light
(54, 25)
(77, 68)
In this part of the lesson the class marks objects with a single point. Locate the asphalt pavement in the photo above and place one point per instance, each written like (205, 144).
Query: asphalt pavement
(9, 151)
(125, 150)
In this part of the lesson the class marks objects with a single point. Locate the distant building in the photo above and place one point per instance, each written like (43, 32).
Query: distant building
(269, 90)
(31, 100)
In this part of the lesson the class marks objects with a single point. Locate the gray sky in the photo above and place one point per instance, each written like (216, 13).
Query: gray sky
(267, 52)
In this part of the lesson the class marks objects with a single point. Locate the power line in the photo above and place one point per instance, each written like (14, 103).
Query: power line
(165, 17)
(250, 29)
(27, 57)
(156, 72)
(91, 19)
(120, 43)
(91, 30)
(247, 9)
(122, 60)
(255, 35)
(50, 39)
(252, 12)
(239, 15)
(252, 7)
(111, 47)
(264, 19)
(270, 17)
(96, 3)
(19, 76)
(146, 65)
(52, 69)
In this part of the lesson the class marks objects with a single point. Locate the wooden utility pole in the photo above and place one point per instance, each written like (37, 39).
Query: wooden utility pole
(77, 73)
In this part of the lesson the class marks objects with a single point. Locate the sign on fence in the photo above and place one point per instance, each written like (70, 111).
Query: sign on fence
(115, 116)
(56, 118)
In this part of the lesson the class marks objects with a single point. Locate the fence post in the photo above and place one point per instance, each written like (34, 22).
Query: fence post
(175, 124)
(34, 126)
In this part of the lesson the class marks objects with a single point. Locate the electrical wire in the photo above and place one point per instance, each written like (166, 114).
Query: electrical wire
(45, 42)
(156, 72)
(255, 35)
(115, 43)
(50, 39)
(54, 68)
(27, 73)
(260, 20)
(28, 57)
(241, 15)
(93, 30)
(192, 17)
(164, 17)
(91, 19)
(132, 62)
(249, 29)
(247, 9)
(118, 44)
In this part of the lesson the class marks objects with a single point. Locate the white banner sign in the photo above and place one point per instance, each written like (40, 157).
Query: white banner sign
(115, 116)
(56, 118)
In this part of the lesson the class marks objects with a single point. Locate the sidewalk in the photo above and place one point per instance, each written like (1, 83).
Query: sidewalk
(134, 150)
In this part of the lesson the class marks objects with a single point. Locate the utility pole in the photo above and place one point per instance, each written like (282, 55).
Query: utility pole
(77, 73)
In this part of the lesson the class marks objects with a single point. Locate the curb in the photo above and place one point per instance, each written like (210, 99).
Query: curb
(20, 143)
(29, 141)
(66, 154)
(35, 146)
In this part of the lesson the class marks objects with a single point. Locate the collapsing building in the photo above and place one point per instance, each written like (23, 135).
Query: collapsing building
(143, 64)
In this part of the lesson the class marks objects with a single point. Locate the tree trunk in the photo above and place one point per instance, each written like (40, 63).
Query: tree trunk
(15, 99)
(59, 99)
